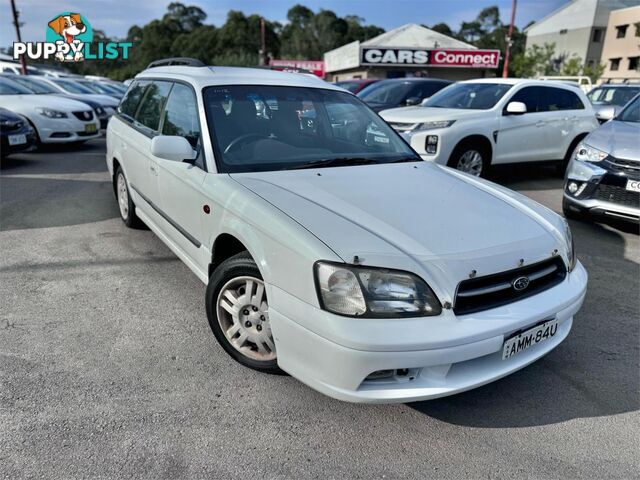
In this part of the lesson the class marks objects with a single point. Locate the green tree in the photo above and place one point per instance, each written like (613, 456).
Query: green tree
(535, 61)
(443, 28)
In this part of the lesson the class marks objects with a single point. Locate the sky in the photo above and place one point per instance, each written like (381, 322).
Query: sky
(116, 16)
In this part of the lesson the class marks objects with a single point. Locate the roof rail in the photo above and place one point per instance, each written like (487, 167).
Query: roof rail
(186, 61)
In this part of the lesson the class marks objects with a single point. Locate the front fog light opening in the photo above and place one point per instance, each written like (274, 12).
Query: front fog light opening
(431, 144)
(576, 188)
(397, 375)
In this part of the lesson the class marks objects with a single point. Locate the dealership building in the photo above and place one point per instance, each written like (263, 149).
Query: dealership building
(410, 50)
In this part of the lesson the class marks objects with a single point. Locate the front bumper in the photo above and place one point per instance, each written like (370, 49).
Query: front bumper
(602, 188)
(66, 130)
(441, 356)
(447, 140)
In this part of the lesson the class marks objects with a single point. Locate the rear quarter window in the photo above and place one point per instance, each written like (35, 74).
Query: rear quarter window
(152, 104)
(131, 99)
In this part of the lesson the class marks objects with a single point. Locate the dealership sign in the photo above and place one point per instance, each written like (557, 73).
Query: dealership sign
(434, 57)
(312, 66)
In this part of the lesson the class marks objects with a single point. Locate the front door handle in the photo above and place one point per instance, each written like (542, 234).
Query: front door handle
(541, 124)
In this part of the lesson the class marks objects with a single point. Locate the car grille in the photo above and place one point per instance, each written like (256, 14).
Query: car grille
(627, 166)
(618, 195)
(402, 127)
(491, 291)
(11, 125)
(84, 116)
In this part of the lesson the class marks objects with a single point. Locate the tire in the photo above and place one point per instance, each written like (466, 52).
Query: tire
(240, 321)
(472, 158)
(125, 205)
(564, 163)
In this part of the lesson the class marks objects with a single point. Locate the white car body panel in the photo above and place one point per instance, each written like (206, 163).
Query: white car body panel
(533, 136)
(432, 221)
(27, 106)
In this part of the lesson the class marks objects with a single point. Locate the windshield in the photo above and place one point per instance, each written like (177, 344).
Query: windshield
(35, 85)
(612, 96)
(257, 128)
(72, 87)
(8, 87)
(385, 92)
(631, 113)
(469, 96)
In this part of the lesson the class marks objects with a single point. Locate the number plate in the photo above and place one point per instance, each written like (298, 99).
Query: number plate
(529, 338)
(17, 139)
(633, 185)
(90, 128)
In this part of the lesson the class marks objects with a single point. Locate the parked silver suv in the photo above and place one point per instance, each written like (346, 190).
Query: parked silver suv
(603, 177)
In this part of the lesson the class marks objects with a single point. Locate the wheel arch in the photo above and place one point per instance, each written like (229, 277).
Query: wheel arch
(472, 139)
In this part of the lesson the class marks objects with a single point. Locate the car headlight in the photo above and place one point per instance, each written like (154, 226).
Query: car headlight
(571, 251)
(435, 124)
(370, 292)
(50, 113)
(586, 153)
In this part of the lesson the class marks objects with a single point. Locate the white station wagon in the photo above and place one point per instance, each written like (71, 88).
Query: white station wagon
(331, 250)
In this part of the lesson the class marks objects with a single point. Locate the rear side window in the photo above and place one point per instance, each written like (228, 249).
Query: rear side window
(181, 115)
(152, 104)
(131, 99)
(560, 99)
(530, 96)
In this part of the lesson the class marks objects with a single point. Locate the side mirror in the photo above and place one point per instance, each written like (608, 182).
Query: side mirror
(412, 101)
(516, 108)
(172, 147)
(424, 101)
(605, 113)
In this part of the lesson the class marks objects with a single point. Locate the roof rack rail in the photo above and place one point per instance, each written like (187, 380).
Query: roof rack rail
(186, 61)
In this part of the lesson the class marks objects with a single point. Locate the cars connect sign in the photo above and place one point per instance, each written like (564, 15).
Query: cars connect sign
(436, 57)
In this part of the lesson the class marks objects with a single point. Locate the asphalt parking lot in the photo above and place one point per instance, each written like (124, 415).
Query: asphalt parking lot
(108, 367)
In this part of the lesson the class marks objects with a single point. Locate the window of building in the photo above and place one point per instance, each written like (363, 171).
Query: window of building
(615, 64)
(597, 35)
(633, 63)
(621, 31)
(563, 31)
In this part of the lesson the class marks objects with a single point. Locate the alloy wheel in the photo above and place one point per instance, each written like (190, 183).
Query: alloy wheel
(470, 162)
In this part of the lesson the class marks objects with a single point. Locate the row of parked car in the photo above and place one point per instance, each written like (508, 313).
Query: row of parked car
(39, 109)
(475, 124)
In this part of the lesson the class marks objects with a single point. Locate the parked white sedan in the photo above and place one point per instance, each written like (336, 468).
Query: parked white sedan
(55, 119)
(330, 249)
(474, 124)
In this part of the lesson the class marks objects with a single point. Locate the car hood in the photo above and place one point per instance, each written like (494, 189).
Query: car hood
(424, 114)
(20, 103)
(619, 139)
(414, 216)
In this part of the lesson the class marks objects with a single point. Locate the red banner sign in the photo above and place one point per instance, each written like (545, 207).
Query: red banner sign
(314, 66)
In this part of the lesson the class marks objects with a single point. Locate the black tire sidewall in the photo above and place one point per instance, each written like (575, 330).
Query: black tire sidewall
(237, 266)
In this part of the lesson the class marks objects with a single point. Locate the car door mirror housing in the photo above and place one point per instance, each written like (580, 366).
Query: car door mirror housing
(172, 147)
(424, 101)
(605, 113)
(412, 101)
(516, 108)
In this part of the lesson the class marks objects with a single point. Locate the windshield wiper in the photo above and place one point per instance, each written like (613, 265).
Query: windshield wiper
(334, 162)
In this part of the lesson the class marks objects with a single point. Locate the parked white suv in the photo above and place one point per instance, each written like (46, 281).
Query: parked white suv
(330, 249)
(474, 124)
